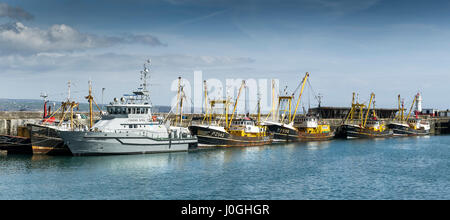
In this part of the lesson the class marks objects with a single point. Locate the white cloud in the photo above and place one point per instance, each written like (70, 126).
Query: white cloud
(16, 37)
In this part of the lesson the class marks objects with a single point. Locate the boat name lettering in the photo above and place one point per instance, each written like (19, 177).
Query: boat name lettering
(217, 134)
(137, 120)
(283, 131)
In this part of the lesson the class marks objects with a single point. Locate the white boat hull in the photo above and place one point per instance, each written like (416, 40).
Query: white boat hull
(101, 143)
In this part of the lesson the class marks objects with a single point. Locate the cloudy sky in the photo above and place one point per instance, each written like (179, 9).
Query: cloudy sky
(382, 46)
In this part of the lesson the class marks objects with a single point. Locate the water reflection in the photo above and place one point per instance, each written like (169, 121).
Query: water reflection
(317, 170)
(319, 145)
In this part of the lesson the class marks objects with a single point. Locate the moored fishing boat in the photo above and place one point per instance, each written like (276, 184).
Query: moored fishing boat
(128, 128)
(18, 144)
(231, 132)
(402, 126)
(364, 127)
(312, 129)
(45, 139)
(243, 132)
(284, 128)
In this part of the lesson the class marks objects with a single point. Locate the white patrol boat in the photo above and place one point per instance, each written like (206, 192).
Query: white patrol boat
(128, 128)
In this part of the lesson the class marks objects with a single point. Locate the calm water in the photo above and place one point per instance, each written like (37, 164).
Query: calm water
(401, 168)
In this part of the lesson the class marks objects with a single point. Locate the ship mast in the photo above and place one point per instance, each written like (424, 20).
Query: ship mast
(300, 96)
(259, 108)
(142, 91)
(355, 106)
(273, 100)
(372, 96)
(90, 99)
(206, 101)
(178, 99)
(181, 105)
(412, 105)
(235, 104)
(44, 96)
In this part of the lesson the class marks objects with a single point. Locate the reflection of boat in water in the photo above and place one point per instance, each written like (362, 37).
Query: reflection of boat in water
(128, 128)
(307, 128)
(231, 132)
(409, 127)
(366, 128)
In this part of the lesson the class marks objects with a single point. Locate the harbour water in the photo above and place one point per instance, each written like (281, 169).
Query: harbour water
(395, 168)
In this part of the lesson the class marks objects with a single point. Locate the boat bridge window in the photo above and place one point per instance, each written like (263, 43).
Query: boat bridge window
(132, 126)
(135, 111)
(118, 110)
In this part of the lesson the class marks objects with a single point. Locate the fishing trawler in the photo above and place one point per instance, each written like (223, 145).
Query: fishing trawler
(44, 135)
(307, 128)
(402, 126)
(179, 124)
(16, 144)
(231, 132)
(312, 129)
(367, 128)
(128, 128)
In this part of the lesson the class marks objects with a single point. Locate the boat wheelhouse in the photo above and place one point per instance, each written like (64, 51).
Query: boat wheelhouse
(128, 127)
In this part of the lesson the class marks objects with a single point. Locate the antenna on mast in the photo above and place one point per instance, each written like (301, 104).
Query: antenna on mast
(319, 97)
(44, 96)
(142, 92)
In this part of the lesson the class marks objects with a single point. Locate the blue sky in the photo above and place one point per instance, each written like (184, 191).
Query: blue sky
(387, 47)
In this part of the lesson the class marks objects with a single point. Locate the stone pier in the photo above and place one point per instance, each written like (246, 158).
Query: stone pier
(10, 121)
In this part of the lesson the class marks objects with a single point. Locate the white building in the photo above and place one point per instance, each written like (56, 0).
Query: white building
(430, 111)
(445, 113)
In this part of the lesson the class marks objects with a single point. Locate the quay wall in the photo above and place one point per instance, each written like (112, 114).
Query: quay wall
(10, 121)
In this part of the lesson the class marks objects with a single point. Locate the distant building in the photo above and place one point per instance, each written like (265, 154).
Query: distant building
(445, 113)
(341, 112)
(430, 111)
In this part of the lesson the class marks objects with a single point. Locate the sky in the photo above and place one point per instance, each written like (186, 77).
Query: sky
(388, 47)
